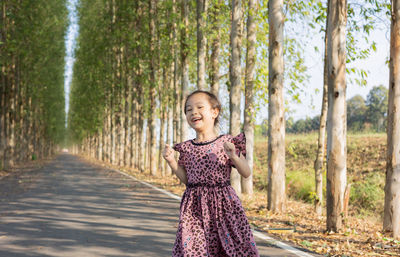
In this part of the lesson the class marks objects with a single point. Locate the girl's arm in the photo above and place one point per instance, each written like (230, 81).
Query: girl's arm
(179, 171)
(240, 162)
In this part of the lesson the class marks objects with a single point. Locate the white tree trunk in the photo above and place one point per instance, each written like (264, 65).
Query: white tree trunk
(153, 85)
(185, 67)
(276, 118)
(319, 161)
(215, 47)
(202, 6)
(391, 221)
(247, 183)
(336, 125)
(235, 79)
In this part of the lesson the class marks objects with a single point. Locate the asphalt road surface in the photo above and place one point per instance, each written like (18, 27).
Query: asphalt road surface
(75, 209)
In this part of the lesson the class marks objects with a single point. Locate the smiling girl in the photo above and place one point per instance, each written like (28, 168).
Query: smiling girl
(212, 220)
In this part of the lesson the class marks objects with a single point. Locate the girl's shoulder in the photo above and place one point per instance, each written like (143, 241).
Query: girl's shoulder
(238, 138)
(181, 147)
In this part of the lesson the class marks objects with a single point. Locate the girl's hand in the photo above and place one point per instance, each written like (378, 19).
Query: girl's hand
(168, 153)
(230, 150)
(239, 162)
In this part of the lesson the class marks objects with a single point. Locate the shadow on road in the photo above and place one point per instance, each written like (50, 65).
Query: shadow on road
(71, 208)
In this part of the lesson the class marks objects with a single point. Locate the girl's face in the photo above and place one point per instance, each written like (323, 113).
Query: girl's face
(199, 113)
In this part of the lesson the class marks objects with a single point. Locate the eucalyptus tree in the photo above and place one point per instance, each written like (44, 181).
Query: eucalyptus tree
(391, 220)
(235, 82)
(276, 119)
(184, 32)
(318, 163)
(215, 16)
(153, 83)
(249, 111)
(202, 12)
(336, 146)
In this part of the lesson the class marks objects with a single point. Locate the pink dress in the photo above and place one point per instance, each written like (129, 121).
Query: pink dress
(212, 220)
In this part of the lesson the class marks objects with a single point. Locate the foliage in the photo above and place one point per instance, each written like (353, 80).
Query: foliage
(356, 113)
(32, 52)
(377, 104)
(362, 115)
(304, 125)
(368, 194)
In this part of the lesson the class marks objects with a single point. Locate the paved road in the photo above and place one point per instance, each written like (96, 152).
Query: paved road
(71, 208)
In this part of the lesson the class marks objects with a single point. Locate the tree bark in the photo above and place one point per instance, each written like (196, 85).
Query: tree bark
(318, 164)
(2, 85)
(276, 118)
(153, 85)
(391, 221)
(11, 118)
(168, 171)
(215, 47)
(336, 125)
(163, 123)
(202, 6)
(185, 67)
(249, 113)
(235, 80)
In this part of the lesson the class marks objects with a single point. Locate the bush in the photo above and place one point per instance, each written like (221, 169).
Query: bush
(368, 193)
(301, 186)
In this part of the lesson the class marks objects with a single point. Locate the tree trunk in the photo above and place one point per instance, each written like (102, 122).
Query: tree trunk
(202, 6)
(163, 123)
(132, 122)
(235, 80)
(391, 220)
(2, 85)
(249, 113)
(215, 47)
(178, 116)
(11, 119)
(100, 145)
(107, 137)
(142, 149)
(170, 127)
(318, 164)
(336, 146)
(127, 125)
(185, 68)
(30, 128)
(276, 116)
(2, 115)
(153, 85)
(148, 147)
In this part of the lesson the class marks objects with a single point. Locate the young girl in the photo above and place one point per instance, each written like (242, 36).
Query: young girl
(212, 220)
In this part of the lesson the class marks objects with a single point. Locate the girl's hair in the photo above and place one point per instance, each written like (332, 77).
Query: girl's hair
(213, 100)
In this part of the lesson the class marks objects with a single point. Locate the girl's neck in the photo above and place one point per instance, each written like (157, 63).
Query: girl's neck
(202, 136)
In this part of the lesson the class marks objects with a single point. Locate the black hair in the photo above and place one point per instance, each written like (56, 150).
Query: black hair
(213, 99)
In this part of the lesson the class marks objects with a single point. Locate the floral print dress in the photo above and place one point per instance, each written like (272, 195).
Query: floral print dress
(212, 220)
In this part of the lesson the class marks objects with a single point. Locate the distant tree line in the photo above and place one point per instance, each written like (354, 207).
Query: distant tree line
(32, 115)
(362, 115)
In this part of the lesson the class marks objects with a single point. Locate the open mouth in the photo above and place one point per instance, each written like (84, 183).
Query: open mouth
(194, 120)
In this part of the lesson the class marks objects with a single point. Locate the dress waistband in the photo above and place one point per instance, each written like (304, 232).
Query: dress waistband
(221, 184)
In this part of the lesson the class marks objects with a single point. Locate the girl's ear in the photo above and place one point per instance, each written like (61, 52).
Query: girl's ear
(215, 112)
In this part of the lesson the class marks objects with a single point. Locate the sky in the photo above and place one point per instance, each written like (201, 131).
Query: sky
(310, 99)
(70, 39)
(375, 64)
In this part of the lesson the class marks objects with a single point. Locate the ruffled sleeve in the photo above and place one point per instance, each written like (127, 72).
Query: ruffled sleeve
(179, 148)
(240, 144)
